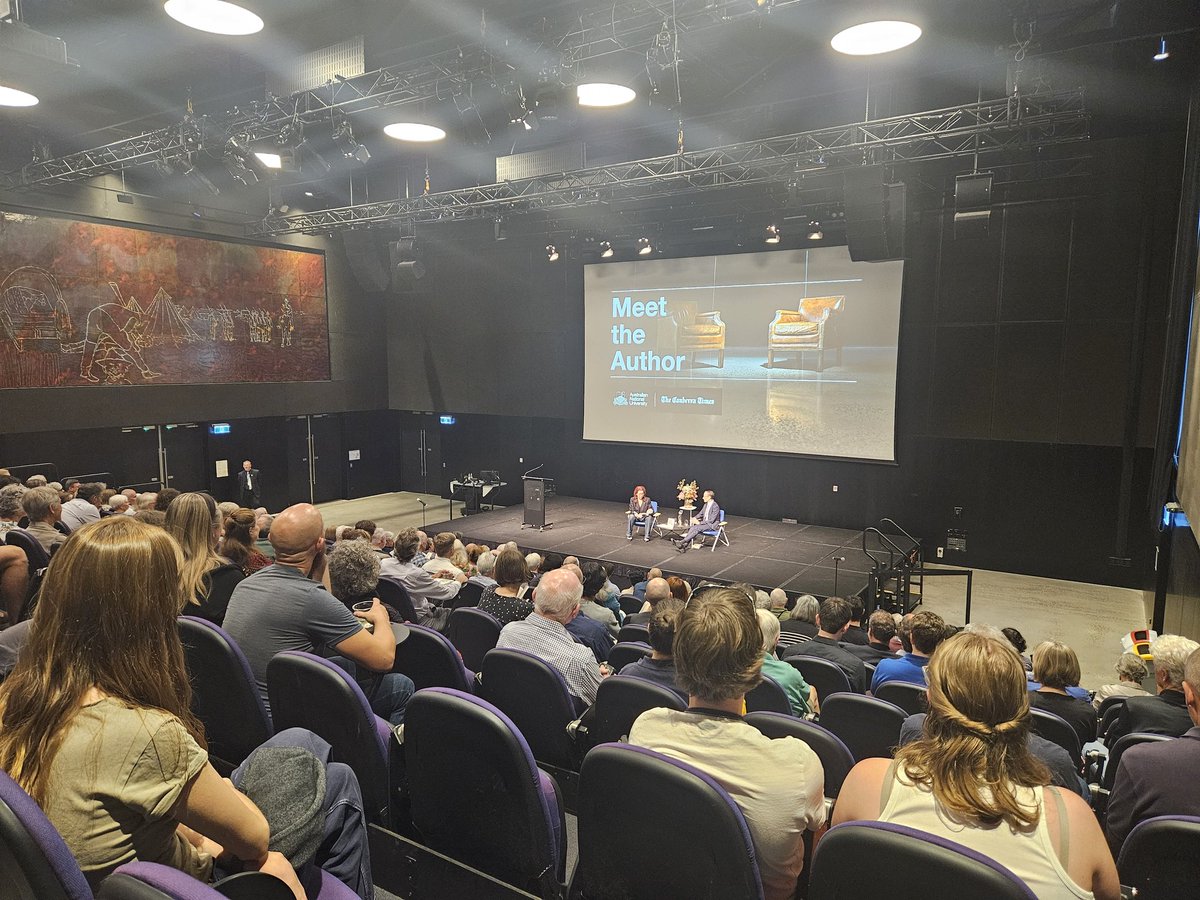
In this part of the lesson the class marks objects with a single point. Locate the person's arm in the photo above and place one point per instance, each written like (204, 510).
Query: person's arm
(373, 650)
(1121, 814)
(1090, 864)
(859, 796)
(212, 807)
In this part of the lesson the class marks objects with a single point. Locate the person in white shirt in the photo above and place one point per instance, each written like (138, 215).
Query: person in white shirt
(443, 546)
(777, 784)
(85, 507)
(424, 589)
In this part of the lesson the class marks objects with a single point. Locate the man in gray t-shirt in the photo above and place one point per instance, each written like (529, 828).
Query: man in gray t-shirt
(285, 607)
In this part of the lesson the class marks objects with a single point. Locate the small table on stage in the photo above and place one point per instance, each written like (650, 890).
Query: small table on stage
(473, 493)
(685, 517)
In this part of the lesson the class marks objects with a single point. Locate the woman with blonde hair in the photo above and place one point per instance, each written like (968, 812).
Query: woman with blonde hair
(95, 719)
(971, 778)
(238, 544)
(208, 577)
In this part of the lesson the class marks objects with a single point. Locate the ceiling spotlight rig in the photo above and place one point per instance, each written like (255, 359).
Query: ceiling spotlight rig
(343, 139)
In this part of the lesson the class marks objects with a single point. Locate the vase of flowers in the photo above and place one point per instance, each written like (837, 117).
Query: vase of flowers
(688, 492)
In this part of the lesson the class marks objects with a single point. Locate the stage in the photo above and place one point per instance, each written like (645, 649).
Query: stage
(799, 558)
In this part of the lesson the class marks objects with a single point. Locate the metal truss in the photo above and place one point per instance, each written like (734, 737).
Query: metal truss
(1007, 124)
(441, 76)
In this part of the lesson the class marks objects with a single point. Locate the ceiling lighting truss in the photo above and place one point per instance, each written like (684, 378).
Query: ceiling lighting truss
(1012, 124)
(622, 25)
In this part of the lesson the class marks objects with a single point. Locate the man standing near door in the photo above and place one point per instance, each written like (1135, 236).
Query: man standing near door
(248, 491)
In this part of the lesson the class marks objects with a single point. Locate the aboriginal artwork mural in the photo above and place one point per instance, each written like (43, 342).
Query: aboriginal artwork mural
(84, 304)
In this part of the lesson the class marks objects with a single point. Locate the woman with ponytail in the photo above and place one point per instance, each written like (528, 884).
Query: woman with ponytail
(971, 778)
(238, 544)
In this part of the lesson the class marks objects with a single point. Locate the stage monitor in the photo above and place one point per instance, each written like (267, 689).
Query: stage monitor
(788, 351)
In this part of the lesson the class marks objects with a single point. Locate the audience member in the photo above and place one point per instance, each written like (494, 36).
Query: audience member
(659, 666)
(443, 546)
(353, 572)
(832, 620)
(425, 590)
(926, 630)
(639, 589)
(778, 607)
(285, 607)
(225, 509)
(533, 562)
(802, 697)
(543, 633)
(1157, 779)
(146, 500)
(95, 725)
(485, 565)
(366, 525)
(14, 581)
(263, 544)
(209, 579)
(154, 517)
(657, 590)
(240, 543)
(1166, 712)
(802, 625)
(594, 577)
(881, 628)
(11, 509)
(855, 634)
(164, 498)
(972, 779)
(84, 508)
(1131, 671)
(424, 550)
(680, 589)
(35, 481)
(118, 505)
(503, 598)
(778, 784)
(1056, 667)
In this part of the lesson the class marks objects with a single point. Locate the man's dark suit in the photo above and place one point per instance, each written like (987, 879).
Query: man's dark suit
(248, 496)
(1165, 713)
(1156, 779)
(871, 653)
(827, 648)
(705, 520)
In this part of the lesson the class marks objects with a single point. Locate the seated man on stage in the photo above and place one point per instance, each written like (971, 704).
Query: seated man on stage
(705, 520)
(639, 512)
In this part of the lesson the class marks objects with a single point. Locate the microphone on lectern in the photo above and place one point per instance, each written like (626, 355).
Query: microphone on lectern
(531, 471)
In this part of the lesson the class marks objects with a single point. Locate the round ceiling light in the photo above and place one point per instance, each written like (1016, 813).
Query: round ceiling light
(12, 97)
(414, 131)
(214, 16)
(871, 38)
(598, 93)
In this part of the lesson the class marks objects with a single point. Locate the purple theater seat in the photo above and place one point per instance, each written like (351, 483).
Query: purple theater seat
(34, 859)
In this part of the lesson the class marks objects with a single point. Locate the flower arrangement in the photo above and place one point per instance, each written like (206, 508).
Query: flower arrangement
(688, 491)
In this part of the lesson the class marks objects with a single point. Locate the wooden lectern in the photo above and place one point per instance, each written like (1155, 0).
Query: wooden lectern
(536, 490)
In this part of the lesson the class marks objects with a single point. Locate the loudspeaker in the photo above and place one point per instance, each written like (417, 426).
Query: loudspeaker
(972, 205)
(367, 255)
(406, 265)
(875, 214)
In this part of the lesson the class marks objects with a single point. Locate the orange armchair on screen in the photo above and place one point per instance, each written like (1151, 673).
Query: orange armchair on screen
(698, 331)
(797, 330)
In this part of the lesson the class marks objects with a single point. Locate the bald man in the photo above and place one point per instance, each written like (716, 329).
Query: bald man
(657, 590)
(287, 606)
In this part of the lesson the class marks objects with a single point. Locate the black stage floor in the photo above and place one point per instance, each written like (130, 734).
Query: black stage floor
(798, 558)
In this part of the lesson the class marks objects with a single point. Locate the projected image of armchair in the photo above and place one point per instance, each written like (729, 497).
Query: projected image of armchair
(697, 332)
(804, 328)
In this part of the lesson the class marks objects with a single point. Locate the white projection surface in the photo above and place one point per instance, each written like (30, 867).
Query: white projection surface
(788, 351)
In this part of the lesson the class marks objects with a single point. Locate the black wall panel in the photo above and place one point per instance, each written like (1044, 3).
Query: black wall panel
(1095, 379)
(1029, 357)
(1037, 251)
(963, 380)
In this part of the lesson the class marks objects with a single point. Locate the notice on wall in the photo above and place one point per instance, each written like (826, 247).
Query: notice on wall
(222, 468)
(355, 455)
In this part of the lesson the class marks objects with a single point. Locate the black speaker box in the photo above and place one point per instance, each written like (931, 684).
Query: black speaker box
(406, 265)
(972, 205)
(367, 253)
(875, 214)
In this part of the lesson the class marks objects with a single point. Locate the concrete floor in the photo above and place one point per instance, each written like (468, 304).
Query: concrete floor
(392, 512)
(1090, 618)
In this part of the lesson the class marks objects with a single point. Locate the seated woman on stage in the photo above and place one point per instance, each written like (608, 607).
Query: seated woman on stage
(639, 512)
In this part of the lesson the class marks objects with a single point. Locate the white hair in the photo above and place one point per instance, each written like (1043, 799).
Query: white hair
(486, 563)
(1170, 653)
(533, 560)
(989, 631)
(118, 502)
(762, 600)
(769, 624)
(778, 598)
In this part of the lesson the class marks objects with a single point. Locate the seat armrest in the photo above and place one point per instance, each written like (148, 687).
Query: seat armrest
(710, 318)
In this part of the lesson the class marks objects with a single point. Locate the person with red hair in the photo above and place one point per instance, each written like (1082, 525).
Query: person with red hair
(640, 512)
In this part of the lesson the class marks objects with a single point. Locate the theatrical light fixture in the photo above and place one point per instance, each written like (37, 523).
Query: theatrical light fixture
(500, 229)
(772, 236)
(309, 194)
(1163, 52)
(414, 131)
(551, 253)
(10, 96)
(814, 231)
(606, 249)
(343, 139)
(645, 248)
(214, 16)
(602, 94)
(871, 38)
(270, 160)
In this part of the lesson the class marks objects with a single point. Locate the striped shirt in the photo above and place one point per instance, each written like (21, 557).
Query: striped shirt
(548, 640)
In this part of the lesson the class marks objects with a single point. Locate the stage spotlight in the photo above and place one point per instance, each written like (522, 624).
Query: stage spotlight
(343, 139)
(872, 38)
(417, 132)
(10, 96)
(814, 231)
(500, 229)
(189, 171)
(516, 108)
(772, 236)
(603, 93)
(644, 247)
(1163, 52)
(551, 253)
(239, 170)
(606, 249)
